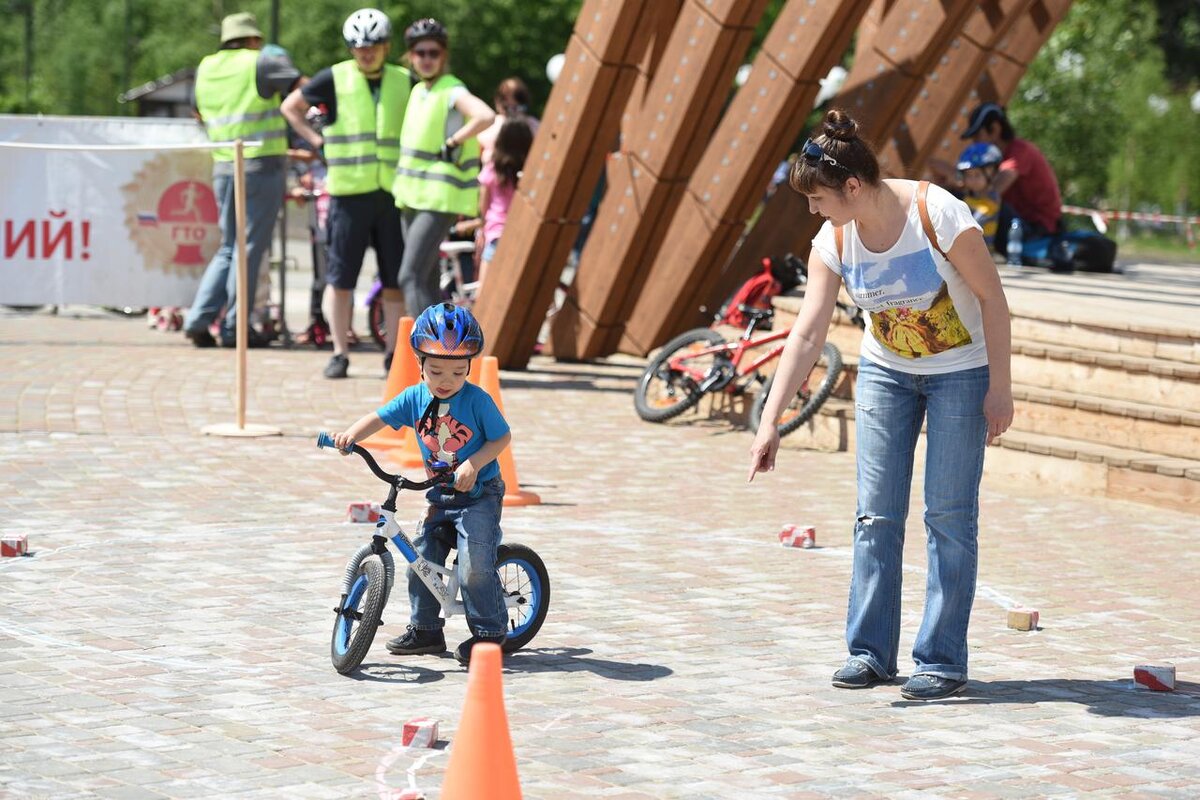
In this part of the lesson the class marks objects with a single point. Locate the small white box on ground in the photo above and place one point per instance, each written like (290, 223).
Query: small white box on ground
(1155, 677)
(420, 732)
(798, 536)
(1023, 619)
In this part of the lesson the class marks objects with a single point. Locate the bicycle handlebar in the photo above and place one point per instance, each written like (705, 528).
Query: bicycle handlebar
(441, 476)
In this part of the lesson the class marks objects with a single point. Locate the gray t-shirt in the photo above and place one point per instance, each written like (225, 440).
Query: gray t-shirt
(275, 74)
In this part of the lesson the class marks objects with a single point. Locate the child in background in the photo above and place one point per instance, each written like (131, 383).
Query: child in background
(977, 168)
(497, 182)
(458, 423)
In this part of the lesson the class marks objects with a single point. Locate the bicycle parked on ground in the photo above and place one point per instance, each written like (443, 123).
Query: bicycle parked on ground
(371, 573)
(702, 360)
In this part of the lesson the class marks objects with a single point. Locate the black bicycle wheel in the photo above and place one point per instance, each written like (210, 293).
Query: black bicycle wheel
(355, 626)
(524, 578)
(664, 391)
(376, 322)
(813, 393)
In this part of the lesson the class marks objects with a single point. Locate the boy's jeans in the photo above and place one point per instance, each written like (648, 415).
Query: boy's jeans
(218, 285)
(472, 525)
(889, 409)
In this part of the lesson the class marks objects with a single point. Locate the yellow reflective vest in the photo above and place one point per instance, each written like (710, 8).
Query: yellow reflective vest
(362, 146)
(424, 182)
(229, 105)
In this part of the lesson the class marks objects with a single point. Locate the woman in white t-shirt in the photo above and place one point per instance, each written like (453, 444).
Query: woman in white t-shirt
(936, 353)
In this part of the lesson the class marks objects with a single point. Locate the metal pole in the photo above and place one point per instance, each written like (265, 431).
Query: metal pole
(244, 300)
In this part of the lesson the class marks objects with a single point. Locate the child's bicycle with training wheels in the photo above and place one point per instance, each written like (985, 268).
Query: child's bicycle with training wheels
(371, 573)
(701, 360)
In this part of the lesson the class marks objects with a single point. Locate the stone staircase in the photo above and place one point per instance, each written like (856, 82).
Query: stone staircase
(1104, 405)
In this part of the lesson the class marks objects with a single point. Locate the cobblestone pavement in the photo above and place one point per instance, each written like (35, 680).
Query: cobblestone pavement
(168, 636)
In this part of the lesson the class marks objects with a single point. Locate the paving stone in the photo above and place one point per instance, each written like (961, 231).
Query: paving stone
(185, 653)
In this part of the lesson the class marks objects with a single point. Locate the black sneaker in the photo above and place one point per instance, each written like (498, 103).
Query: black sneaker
(254, 340)
(387, 363)
(418, 643)
(338, 365)
(201, 338)
(463, 651)
(855, 674)
(931, 687)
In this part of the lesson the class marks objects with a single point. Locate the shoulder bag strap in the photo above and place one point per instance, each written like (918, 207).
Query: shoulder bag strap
(926, 222)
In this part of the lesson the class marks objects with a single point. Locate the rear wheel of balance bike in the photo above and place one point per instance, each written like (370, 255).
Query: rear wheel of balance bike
(523, 576)
(663, 392)
(808, 400)
(356, 623)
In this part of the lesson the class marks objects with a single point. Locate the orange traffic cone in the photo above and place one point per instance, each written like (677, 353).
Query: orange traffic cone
(405, 371)
(487, 377)
(482, 763)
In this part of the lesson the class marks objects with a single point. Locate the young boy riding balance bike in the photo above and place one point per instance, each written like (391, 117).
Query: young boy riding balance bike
(457, 423)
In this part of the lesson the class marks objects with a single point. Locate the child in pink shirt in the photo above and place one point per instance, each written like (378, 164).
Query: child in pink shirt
(498, 182)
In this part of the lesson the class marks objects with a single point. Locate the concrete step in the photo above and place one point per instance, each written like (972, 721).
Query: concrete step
(1097, 469)
(1137, 379)
(1145, 340)
(1117, 423)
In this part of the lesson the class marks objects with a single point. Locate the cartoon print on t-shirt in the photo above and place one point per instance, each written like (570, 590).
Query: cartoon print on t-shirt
(445, 436)
(909, 303)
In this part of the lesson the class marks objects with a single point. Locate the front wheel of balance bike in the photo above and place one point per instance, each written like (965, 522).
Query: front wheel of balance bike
(524, 579)
(359, 616)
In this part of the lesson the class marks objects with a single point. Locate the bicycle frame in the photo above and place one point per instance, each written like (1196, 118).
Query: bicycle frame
(734, 351)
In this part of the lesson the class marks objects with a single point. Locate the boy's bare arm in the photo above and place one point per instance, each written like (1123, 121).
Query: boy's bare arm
(367, 425)
(464, 476)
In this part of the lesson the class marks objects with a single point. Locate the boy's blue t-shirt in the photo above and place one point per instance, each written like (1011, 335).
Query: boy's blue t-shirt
(462, 425)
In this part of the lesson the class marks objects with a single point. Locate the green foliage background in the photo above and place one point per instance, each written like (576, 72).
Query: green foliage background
(1108, 98)
(84, 56)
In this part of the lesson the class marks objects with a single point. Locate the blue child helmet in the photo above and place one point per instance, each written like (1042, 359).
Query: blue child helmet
(979, 155)
(445, 330)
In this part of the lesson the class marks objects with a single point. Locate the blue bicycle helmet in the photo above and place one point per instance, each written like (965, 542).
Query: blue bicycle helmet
(979, 155)
(445, 330)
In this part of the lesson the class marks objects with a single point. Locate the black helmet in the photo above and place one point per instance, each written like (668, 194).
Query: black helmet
(428, 28)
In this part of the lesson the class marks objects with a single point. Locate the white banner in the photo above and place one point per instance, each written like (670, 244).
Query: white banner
(103, 226)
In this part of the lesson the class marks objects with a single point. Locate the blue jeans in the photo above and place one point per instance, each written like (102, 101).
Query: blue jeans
(218, 286)
(471, 525)
(889, 409)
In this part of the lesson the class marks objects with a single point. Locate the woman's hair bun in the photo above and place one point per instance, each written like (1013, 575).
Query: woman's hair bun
(839, 125)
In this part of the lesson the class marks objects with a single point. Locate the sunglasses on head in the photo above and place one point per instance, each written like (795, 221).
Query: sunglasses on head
(427, 53)
(814, 154)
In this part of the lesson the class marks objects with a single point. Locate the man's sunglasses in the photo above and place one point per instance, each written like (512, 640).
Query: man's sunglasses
(427, 53)
(814, 154)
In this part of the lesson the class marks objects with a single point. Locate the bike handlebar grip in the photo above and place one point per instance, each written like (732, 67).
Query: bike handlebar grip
(324, 440)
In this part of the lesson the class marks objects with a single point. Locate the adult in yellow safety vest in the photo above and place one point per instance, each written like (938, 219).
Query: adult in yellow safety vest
(364, 100)
(237, 96)
(437, 176)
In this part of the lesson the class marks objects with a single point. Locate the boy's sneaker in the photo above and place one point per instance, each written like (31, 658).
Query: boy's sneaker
(418, 643)
(338, 366)
(463, 651)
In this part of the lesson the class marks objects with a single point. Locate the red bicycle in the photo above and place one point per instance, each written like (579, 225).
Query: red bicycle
(701, 361)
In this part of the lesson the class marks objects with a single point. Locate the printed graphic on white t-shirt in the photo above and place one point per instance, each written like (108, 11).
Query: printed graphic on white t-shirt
(913, 315)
